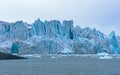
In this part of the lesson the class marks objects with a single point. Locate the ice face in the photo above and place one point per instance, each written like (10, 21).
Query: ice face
(4, 31)
(83, 46)
(38, 27)
(19, 30)
(15, 47)
(52, 28)
(52, 37)
(68, 27)
(114, 43)
(40, 45)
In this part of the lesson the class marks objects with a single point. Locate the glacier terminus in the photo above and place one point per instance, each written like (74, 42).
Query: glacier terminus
(54, 37)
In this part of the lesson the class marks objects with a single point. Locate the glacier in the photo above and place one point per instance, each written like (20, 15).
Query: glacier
(54, 37)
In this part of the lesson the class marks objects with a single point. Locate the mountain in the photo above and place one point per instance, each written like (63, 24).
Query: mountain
(54, 37)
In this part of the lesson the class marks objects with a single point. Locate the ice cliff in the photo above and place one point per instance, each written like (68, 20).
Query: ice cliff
(54, 37)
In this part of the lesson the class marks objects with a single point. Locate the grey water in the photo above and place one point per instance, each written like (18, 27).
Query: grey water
(66, 65)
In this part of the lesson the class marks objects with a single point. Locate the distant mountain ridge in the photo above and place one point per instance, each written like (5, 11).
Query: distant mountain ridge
(54, 37)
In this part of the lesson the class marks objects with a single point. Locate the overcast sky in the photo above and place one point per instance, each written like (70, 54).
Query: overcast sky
(101, 14)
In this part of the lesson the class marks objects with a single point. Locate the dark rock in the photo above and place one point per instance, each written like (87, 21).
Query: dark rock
(9, 56)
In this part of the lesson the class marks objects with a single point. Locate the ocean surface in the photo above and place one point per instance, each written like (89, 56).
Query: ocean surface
(61, 65)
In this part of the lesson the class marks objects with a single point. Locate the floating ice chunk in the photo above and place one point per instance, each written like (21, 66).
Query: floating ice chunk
(103, 54)
(56, 56)
(106, 57)
(31, 55)
(27, 55)
(117, 56)
(85, 55)
(37, 55)
(14, 54)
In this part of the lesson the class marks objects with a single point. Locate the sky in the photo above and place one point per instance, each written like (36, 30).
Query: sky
(104, 15)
